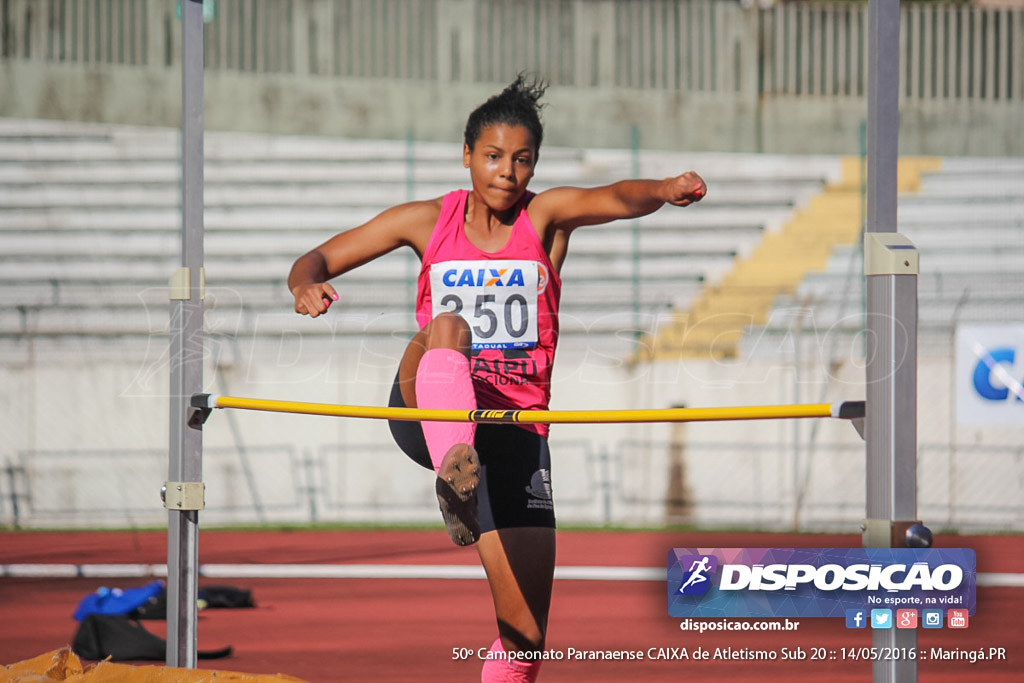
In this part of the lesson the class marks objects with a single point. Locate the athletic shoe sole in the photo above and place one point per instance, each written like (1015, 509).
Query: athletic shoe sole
(457, 479)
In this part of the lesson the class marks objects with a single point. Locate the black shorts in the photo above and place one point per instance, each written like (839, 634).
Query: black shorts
(515, 470)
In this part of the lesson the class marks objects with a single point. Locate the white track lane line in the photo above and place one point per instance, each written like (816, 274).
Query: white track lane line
(371, 571)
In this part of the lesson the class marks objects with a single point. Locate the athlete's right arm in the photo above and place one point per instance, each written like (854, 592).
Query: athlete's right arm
(404, 225)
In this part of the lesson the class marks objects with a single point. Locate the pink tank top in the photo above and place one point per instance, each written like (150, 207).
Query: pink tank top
(508, 297)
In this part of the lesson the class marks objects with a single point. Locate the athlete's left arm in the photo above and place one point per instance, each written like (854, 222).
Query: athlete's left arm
(564, 208)
(555, 213)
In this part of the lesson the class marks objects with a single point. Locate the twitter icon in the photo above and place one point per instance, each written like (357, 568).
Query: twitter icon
(881, 618)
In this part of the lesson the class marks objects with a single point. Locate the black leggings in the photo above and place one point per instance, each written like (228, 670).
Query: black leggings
(515, 470)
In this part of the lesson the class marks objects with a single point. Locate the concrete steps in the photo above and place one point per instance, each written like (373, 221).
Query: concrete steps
(90, 220)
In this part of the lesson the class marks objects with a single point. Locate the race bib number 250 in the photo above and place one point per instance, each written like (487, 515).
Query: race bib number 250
(497, 298)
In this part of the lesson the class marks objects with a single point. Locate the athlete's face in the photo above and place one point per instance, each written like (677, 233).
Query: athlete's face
(501, 164)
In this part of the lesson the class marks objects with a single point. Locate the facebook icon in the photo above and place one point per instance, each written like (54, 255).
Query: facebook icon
(856, 618)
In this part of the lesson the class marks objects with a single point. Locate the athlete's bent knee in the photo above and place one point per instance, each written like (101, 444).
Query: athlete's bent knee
(449, 330)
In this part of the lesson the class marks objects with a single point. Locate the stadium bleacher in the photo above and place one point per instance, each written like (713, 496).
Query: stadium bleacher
(91, 226)
(967, 222)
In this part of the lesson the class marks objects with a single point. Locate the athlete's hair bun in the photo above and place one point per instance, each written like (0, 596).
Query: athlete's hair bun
(517, 105)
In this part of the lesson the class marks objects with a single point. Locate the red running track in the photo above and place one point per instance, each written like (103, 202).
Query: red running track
(328, 630)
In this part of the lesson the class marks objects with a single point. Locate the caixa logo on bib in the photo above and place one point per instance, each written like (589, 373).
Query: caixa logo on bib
(816, 582)
(483, 277)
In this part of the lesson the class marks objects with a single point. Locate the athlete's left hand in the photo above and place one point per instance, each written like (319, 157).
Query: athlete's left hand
(685, 189)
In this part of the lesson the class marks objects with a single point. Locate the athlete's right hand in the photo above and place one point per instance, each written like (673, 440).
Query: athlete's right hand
(314, 299)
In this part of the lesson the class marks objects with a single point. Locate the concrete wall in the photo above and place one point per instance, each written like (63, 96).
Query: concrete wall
(436, 111)
(706, 75)
(86, 428)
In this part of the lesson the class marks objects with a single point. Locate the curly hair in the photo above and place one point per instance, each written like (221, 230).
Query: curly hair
(516, 105)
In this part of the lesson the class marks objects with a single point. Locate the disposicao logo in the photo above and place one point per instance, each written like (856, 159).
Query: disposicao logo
(818, 582)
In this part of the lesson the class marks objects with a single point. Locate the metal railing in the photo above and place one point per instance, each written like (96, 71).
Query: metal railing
(949, 52)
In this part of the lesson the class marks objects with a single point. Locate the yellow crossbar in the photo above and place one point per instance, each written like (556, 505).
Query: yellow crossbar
(844, 410)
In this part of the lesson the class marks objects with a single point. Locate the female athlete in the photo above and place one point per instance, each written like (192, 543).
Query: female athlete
(487, 305)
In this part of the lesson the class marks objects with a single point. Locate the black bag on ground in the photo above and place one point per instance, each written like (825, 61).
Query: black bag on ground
(100, 636)
(154, 608)
(226, 597)
(213, 597)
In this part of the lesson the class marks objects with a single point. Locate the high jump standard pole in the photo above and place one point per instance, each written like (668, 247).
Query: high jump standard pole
(184, 490)
(890, 270)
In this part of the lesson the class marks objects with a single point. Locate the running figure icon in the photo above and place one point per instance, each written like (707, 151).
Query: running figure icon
(698, 573)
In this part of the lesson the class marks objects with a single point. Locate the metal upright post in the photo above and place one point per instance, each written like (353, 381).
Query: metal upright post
(890, 269)
(184, 491)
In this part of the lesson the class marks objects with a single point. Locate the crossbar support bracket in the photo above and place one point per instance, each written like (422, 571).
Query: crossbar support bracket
(184, 495)
(180, 286)
(886, 533)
